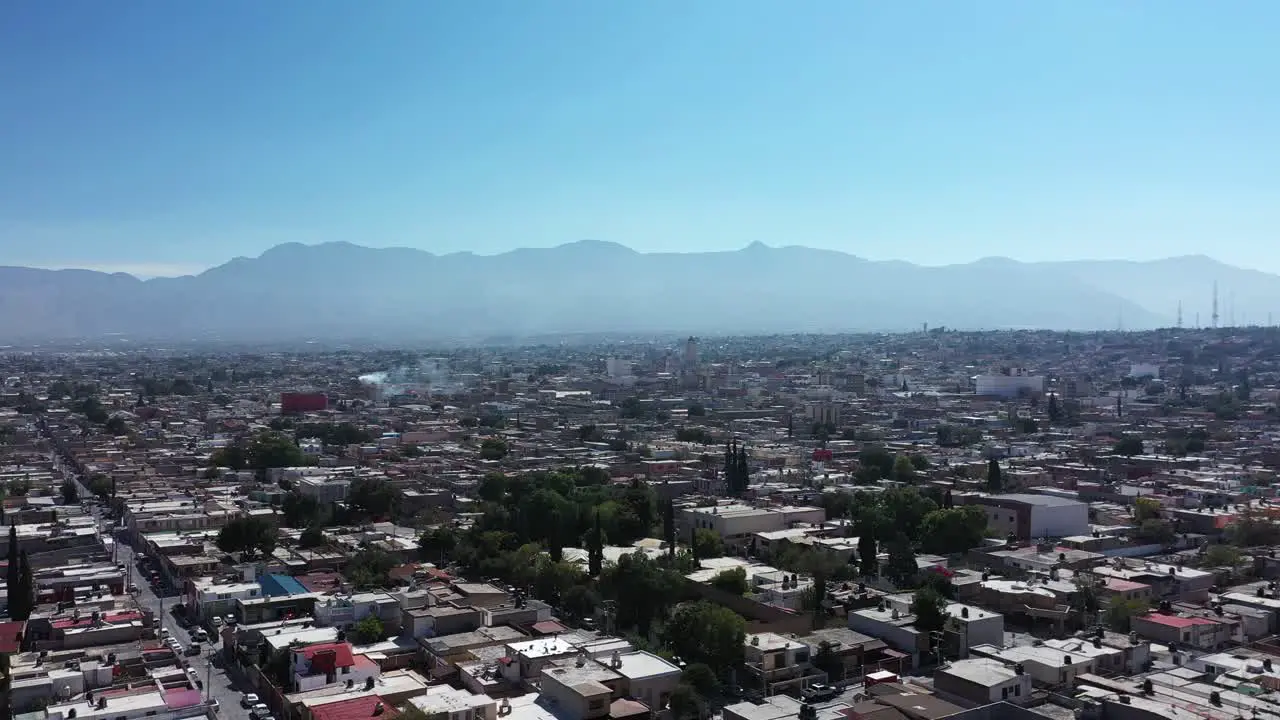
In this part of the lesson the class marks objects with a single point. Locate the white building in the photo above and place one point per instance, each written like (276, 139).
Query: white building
(329, 664)
(736, 523)
(983, 681)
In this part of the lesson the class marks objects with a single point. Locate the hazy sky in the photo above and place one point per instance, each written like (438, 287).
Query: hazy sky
(159, 136)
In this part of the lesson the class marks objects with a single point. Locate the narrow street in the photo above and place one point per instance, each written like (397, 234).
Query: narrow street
(208, 666)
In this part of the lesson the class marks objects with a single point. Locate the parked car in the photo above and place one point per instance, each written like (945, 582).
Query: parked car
(200, 635)
(248, 699)
(820, 692)
(193, 649)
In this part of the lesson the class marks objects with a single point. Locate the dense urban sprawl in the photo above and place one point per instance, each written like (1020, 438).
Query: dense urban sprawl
(941, 524)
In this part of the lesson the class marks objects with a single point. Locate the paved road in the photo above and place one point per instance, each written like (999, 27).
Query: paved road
(208, 665)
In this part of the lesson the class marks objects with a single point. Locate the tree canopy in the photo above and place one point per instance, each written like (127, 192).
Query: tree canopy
(247, 535)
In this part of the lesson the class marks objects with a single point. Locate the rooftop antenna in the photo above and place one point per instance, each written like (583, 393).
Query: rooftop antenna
(1215, 303)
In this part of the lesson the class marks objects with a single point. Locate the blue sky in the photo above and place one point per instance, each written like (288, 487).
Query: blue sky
(158, 136)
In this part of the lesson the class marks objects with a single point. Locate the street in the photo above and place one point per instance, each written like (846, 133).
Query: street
(208, 665)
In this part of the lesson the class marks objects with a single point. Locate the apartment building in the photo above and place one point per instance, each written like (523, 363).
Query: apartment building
(736, 523)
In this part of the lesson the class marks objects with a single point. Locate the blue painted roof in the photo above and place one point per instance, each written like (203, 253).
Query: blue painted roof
(273, 585)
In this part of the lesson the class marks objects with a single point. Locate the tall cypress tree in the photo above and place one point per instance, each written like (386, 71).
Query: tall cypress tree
(595, 548)
(22, 597)
(669, 527)
(744, 472)
(13, 570)
(995, 482)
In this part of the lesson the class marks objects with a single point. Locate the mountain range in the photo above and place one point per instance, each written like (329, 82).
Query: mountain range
(341, 290)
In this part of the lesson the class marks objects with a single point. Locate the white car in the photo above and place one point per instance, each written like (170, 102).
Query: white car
(248, 699)
(259, 710)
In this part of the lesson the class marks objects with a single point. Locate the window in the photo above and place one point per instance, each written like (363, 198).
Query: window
(1017, 690)
(1004, 693)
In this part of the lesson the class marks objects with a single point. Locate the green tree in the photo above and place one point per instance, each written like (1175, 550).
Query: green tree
(702, 632)
(372, 496)
(1054, 409)
(1120, 612)
(707, 543)
(901, 566)
(14, 567)
(115, 425)
(701, 677)
(595, 548)
(930, 608)
(231, 456)
(995, 480)
(868, 560)
(493, 487)
(953, 530)
(312, 537)
(1146, 509)
(1128, 445)
(580, 601)
(732, 581)
(370, 569)
(493, 449)
(301, 511)
(101, 486)
(1222, 555)
(273, 450)
(437, 544)
(685, 703)
(903, 469)
(70, 495)
(368, 631)
(1156, 531)
(247, 535)
(22, 601)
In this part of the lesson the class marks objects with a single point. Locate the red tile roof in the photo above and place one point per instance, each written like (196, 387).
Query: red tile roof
(11, 636)
(361, 708)
(327, 657)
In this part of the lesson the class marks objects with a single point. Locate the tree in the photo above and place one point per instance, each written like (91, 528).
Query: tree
(930, 608)
(493, 449)
(301, 511)
(732, 581)
(1222, 555)
(995, 481)
(493, 487)
(703, 632)
(369, 631)
(15, 567)
(700, 677)
(231, 456)
(1128, 446)
(312, 537)
(947, 501)
(1156, 531)
(1120, 611)
(101, 486)
(903, 470)
(1054, 409)
(1146, 509)
(22, 601)
(901, 566)
(707, 543)
(247, 535)
(953, 530)
(273, 450)
(436, 544)
(868, 561)
(70, 495)
(370, 568)
(580, 601)
(372, 496)
(684, 702)
(115, 425)
(595, 548)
